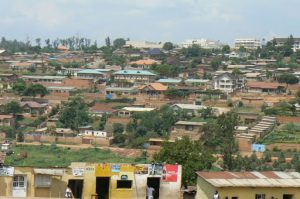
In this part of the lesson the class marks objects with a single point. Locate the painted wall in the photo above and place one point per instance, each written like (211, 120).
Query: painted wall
(170, 180)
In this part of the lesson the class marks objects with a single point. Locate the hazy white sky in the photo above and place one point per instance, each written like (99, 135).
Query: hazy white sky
(154, 20)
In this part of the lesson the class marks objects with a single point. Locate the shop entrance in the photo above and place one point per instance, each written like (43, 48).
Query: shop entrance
(76, 186)
(102, 187)
(288, 196)
(154, 183)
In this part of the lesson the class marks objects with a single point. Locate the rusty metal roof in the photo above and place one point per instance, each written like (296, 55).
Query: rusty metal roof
(252, 179)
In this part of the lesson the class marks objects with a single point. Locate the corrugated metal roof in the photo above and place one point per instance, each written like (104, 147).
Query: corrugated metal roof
(252, 179)
(134, 72)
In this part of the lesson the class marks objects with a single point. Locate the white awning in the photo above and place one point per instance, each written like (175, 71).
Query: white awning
(55, 172)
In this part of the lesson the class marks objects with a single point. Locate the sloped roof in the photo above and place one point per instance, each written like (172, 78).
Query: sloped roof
(90, 71)
(154, 51)
(252, 179)
(61, 47)
(134, 72)
(190, 123)
(155, 86)
(22, 64)
(138, 109)
(264, 85)
(144, 62)
(190, 106)
(6, 117)
(169, 80)
(31, 104)
(100, 107)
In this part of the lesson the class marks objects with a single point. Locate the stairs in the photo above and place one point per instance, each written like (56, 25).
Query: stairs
(264, 127)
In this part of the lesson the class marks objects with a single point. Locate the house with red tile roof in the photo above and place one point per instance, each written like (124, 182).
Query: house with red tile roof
(264, 87)
(153, 88)
(143, 63)
(33, 108)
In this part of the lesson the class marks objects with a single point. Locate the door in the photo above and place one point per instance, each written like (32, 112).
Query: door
(76, 186)
(154, 183)
(288, 196)
(102, 187)
(19, 186)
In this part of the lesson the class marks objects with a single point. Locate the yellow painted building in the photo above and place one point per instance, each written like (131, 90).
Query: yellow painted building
(87, 180)
(248, 185)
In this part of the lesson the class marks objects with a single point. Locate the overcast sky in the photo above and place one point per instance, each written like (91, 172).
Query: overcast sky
(153, 20)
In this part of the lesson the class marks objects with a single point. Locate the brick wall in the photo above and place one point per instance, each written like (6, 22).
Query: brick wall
(286, 119)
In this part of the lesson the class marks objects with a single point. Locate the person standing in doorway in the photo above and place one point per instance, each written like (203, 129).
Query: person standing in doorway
(68, 193)
(216, 195)
(149, 192)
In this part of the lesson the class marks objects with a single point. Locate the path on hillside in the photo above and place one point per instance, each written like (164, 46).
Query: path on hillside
(130, 153)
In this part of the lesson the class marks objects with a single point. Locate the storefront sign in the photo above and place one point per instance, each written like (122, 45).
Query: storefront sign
(170, 173)
(115, 168)
(7, 171)
(155, 169)
(78, 172)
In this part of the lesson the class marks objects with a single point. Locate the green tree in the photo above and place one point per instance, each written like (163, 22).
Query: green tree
(167, 70)
(236, 71)
(168, 46)
(227, 123)
(102, 122)
(118, 128)
(190, 154)
(193, 51)
(107, 42)
(74, 113)
(119, 43)
(12, 107)
(36, 89)
(215, 63)
(268, 156)
(175, 93)
(242, 49)
(119, 137)
(288, 79)
(207, 112)
(226, 49)
(19, 87)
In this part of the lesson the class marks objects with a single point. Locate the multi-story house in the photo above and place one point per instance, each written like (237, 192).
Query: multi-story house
(283, 41)
(248, 43)
(91, 74)
(137, 77)
(228, 82)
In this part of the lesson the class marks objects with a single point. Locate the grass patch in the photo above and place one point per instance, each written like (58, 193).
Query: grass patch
(289, 133)
(51, 156)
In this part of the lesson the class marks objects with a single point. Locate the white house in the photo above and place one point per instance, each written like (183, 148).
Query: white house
(228, 82)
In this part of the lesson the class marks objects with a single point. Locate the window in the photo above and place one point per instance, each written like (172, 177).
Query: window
(260, 196)
(42, 181)
(19, 181)
(124, 184)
